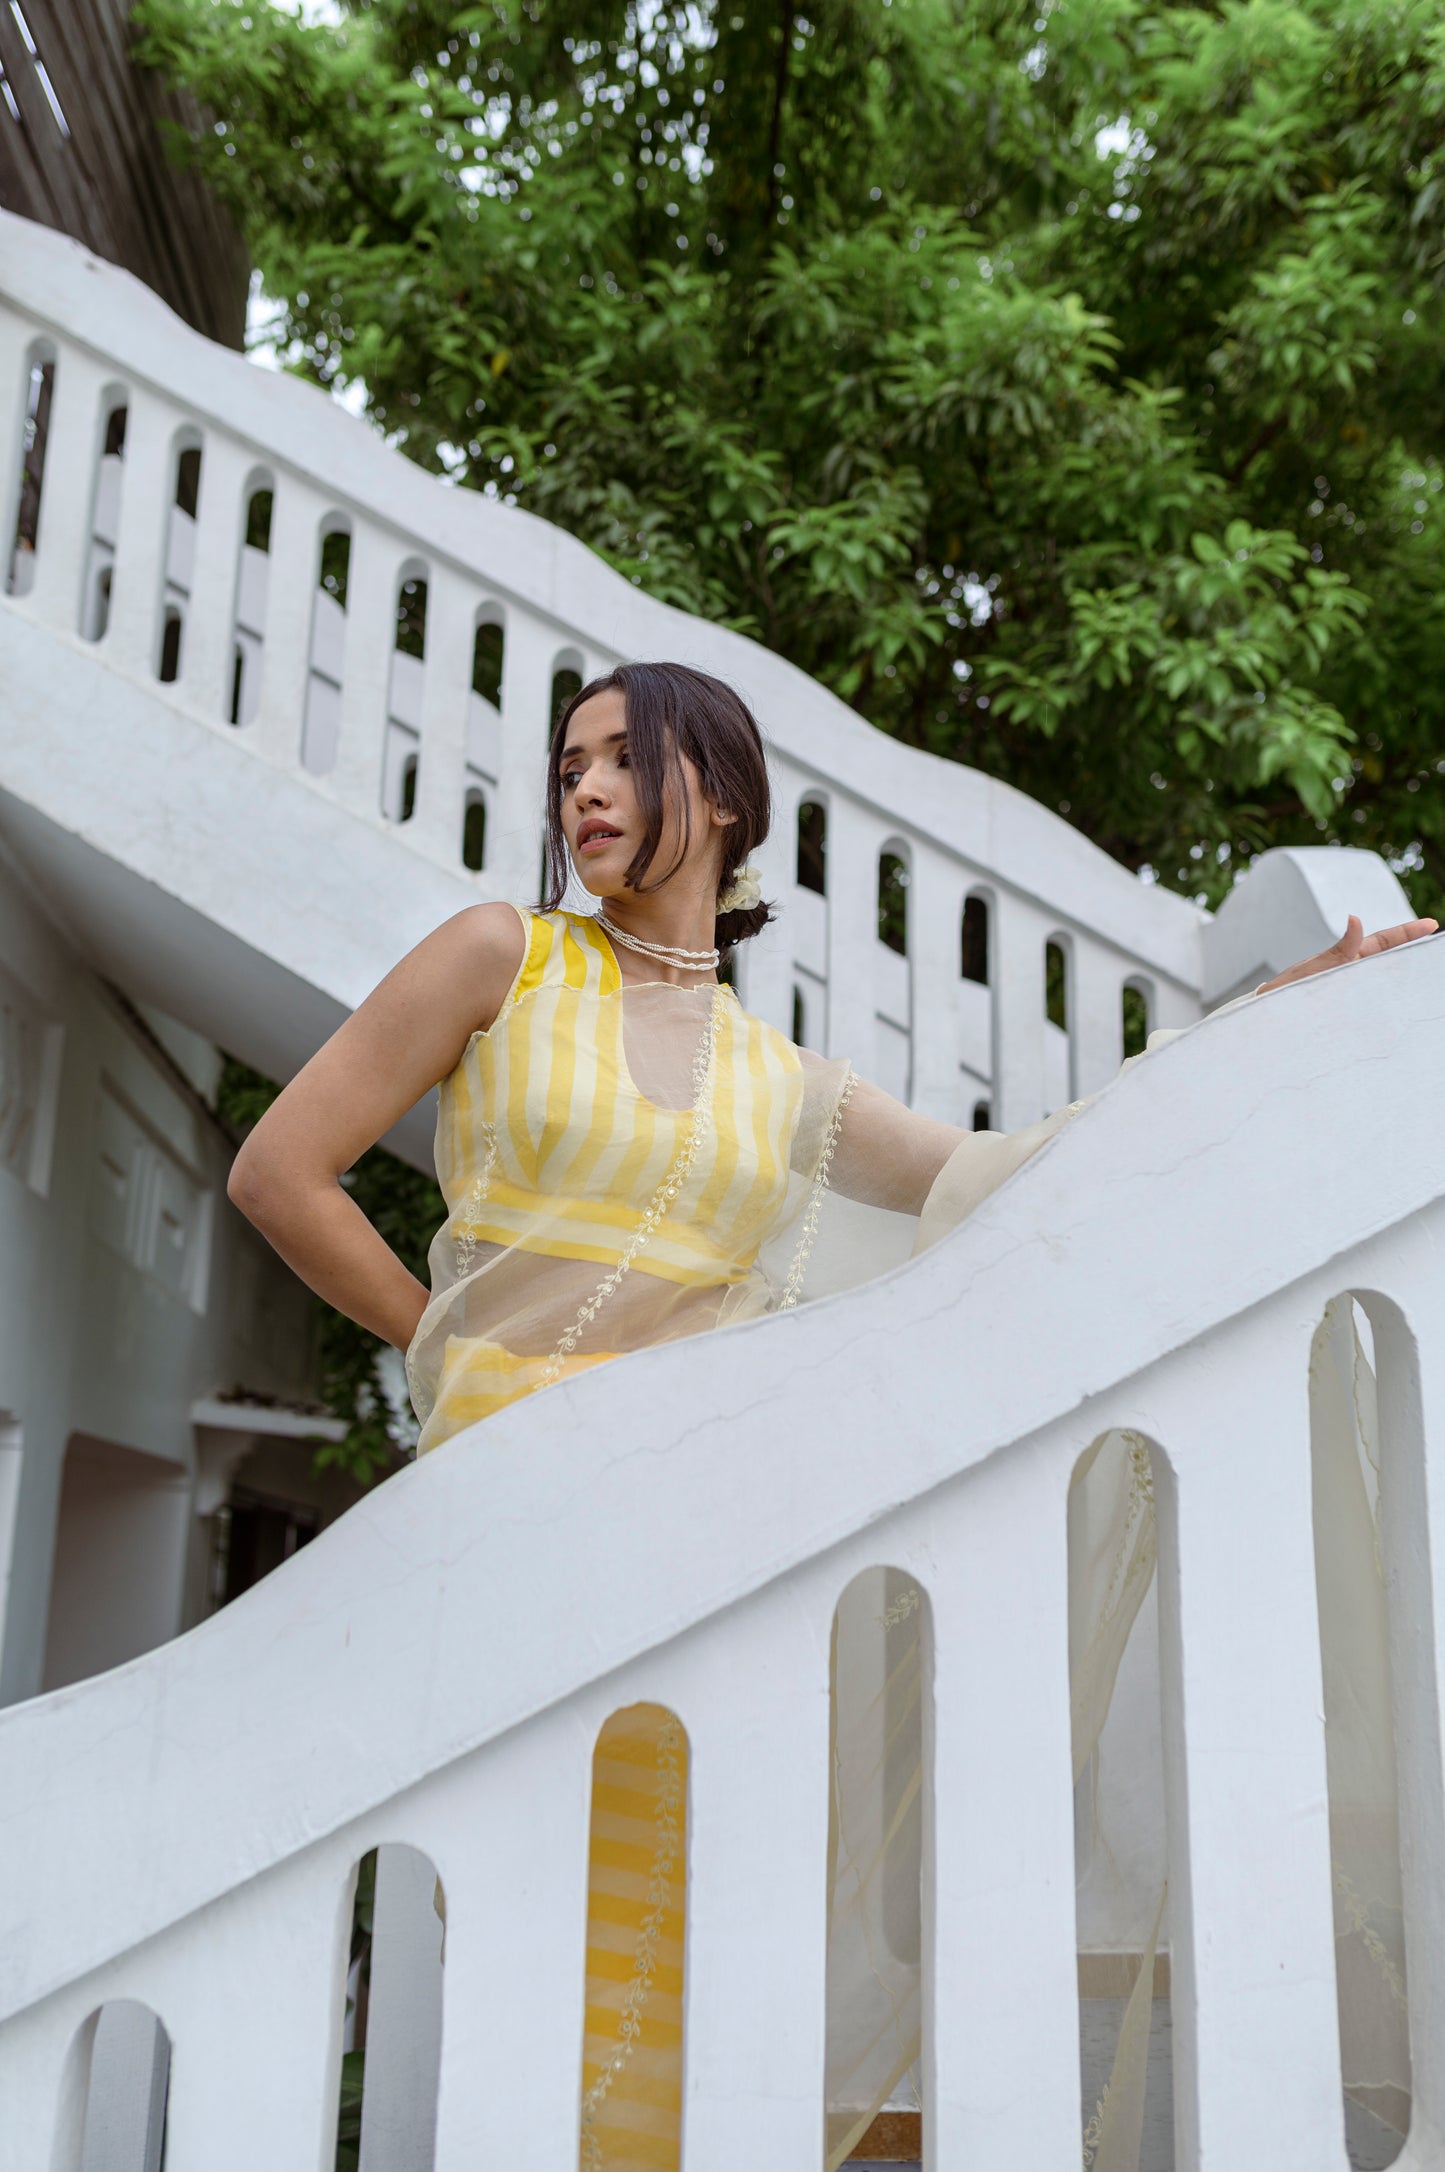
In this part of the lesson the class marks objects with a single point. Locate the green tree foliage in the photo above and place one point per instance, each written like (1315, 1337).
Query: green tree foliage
(407, 1208)
(1059, 383)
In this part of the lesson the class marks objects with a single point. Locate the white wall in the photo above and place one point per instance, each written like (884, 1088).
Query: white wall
(120, 1549)
(129, 1288)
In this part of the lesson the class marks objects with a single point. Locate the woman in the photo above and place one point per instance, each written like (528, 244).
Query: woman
(627, 1156)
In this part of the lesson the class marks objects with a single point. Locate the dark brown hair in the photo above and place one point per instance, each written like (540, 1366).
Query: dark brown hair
(674, 712)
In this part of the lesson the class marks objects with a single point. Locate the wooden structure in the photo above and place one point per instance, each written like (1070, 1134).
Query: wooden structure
(82, 150)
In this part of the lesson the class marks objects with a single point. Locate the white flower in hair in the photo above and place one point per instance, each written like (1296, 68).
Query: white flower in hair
(744, 890)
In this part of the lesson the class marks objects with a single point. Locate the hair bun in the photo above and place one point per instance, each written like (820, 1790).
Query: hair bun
(744, 920)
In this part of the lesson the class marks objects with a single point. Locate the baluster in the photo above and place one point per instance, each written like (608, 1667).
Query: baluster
(253, 1991)
(757, 1905)
(526, 717)
(298, 510)
(147, 494)
(935, 908)
(72, 454)
(515, 1875)
(1412, 1517)
(854, 842)
(371, 586)
(765, 961)
(1096, 1015)
(208, 645)
(1001, 2016)
(1256, 2042)
(451, 606)
(1019, 934)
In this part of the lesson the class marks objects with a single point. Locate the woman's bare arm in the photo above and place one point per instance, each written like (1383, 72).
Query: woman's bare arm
(409, 1033)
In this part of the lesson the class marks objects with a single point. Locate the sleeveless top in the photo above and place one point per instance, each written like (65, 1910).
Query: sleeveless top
(622, 1164)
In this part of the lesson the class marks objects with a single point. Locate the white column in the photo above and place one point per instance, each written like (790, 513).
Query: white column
(854, 841)
(1019, 934)
(403, 2016)
(371, 589)
(757, 1931)
(1411, 1377)
(526, 693)
(935, 912)
(1256, 2039)
(451, 607)
(297, 511)
(1001, 2015)
(147, 495)
(1096, 1015)
(516, 1890)
(67, 496)
(208, 646)
(254, 1994)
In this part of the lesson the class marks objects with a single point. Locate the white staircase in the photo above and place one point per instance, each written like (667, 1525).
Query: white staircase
(258, 877)
(433, 1670)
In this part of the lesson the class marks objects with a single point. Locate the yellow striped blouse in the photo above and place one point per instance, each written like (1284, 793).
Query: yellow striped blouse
(614, 1158)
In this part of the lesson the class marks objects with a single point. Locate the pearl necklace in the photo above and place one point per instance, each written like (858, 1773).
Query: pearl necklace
(689, 961)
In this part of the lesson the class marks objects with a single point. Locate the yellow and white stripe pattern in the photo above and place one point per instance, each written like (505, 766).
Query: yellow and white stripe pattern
(546, 1147)
(580, 1152)
(636, 1889)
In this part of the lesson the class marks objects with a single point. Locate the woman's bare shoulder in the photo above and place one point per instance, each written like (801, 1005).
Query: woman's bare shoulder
(485, 946)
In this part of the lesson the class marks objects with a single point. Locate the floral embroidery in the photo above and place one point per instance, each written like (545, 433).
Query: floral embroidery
(793, 1287)
(465, 1222)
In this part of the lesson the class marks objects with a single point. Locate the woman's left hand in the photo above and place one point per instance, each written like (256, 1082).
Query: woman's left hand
(1354, 943)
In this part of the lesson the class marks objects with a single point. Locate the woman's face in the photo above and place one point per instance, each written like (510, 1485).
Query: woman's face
(601, 820)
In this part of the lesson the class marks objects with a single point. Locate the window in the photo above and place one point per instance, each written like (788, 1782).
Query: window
(973, 962)
(812, 866)
(893, 902)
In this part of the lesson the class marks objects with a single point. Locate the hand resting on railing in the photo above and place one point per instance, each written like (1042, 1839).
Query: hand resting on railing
(979, 1162)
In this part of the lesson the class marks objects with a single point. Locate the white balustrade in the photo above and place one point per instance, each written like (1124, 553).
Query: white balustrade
(371, 591)
(935, 907)
(208, 646)
(72, 456)
(1021, 1093)
(495, 1553)
(148, 485)
(527, 661)
(451, 607)
(298, 510)
(562, 610)
(433, 1670)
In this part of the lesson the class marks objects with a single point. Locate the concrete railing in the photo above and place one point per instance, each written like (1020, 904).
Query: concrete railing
(232, 544)
(431, 1673)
